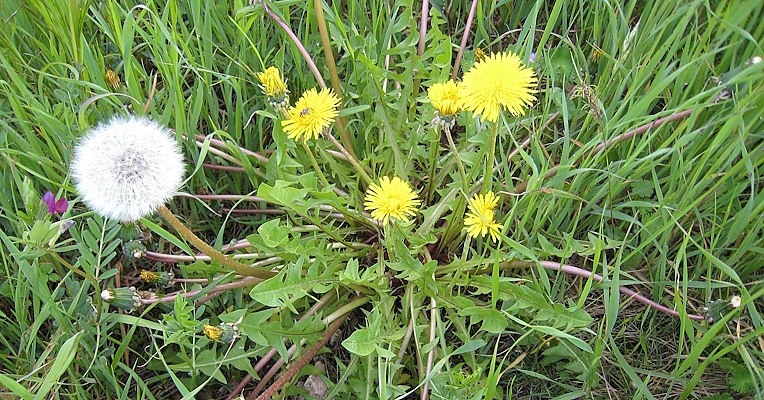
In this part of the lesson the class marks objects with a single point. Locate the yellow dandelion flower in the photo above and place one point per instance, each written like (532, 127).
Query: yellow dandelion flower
(273, 86)
(391, 198)
(501, 80)
(445, 98)
(312, 113)
(479, 218)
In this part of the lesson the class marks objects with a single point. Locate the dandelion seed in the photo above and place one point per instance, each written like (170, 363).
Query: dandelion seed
(391, 198)
(480, 218)
(126, 168)
(321, 109)
(274, 87)
(500, 81)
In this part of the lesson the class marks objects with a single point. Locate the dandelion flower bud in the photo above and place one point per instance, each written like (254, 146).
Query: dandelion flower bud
(126, 168)
(446, 101)
(274, 87)
(123, 298)
(735, 301)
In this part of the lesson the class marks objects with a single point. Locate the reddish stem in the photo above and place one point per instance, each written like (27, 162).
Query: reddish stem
(618, 139)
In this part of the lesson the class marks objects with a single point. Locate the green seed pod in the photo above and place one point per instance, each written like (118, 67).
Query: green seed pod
(123, 298)
(133, 250)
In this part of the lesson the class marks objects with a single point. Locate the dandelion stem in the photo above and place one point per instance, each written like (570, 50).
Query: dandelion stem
(313, 350)
(434, 150)
(209, 250)
(487, 180)
(315, 164)
(329, 57)
(465, 36)
(350, 158)
(243, 282)
(296, 41)
(459, 164)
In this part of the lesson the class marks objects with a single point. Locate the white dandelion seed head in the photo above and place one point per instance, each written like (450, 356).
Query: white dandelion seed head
(127, 167)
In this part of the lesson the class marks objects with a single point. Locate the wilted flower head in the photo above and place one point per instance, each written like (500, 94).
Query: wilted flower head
(313, 112)
(126, 168)
(163, 279)
(112, 79)
(479, 219)
(224, 333)
(55, 206)
(479, 55)
(500, 81)
(391, 198)
(445, 99)
(273, 86)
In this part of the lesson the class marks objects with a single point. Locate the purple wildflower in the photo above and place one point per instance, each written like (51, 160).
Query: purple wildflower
(533, 57)
(54, 206)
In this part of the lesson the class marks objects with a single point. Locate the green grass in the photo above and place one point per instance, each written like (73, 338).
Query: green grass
(674, 212)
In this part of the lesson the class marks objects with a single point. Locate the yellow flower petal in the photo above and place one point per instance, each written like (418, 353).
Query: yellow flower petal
(313, 112)
(479, 219)
(391, 198)
(273, 86)
(499, 81)
(445, 98)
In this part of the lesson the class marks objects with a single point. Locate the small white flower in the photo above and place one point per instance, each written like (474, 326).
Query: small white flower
(126, 168)
(735, 301)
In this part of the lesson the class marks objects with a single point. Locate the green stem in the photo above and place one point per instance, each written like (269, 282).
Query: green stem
(434, 150)
(488, 179)
(459, 164)
(209, 250)
(350, 158)
(329, 57)
(315, 164)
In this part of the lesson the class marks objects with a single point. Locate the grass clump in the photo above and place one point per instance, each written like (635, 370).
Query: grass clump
(384, 200)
